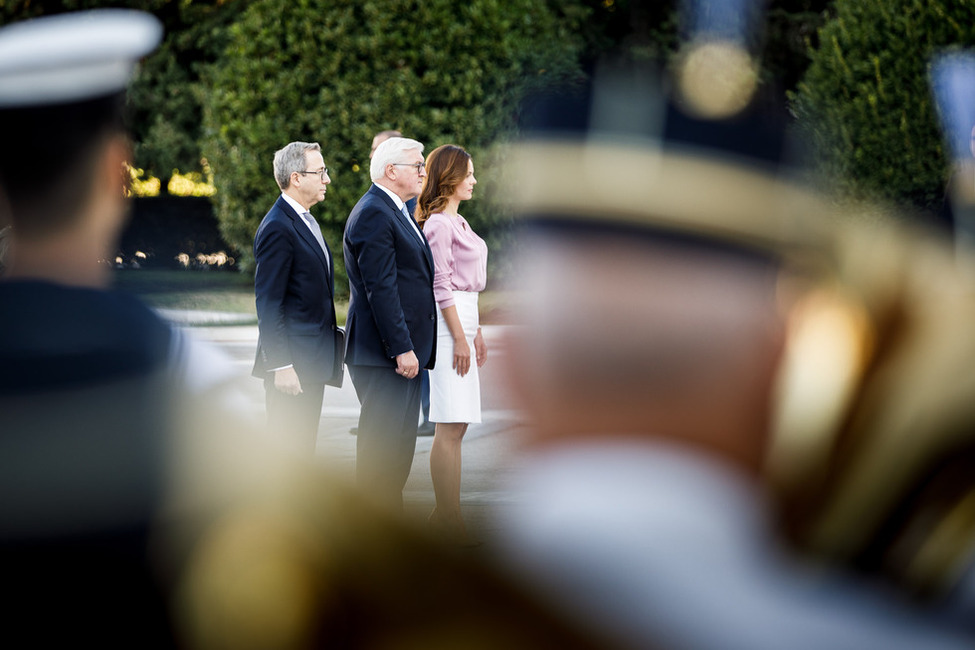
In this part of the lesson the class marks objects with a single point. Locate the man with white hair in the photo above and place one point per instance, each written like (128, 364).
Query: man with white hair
(392, 322)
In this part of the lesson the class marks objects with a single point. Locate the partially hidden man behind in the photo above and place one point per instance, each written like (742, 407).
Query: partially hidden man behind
(392, 323)
(297, 350)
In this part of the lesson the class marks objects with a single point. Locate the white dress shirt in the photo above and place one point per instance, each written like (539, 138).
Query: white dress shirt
(302, 211)
(401, 206)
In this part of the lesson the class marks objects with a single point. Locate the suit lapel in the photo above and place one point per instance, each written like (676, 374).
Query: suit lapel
(427, 251)
(399, 217)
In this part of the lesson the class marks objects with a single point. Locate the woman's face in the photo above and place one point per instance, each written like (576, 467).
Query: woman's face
(465, 189)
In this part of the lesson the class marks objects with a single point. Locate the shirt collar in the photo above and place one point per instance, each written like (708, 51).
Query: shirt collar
(297, 207)
(399, 202)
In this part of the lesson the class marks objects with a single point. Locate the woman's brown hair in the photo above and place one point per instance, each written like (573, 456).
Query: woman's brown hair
(446, 168)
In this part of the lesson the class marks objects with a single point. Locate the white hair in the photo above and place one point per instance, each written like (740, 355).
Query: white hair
(389, 152)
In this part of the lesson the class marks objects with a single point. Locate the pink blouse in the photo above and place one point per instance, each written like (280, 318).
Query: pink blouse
(459, 257)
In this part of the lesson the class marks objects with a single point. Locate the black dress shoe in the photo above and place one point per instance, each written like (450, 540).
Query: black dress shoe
(426, 429)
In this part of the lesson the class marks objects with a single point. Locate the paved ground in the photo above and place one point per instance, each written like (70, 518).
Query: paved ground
(487, 449)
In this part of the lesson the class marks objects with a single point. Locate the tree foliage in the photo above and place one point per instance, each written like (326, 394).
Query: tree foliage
(653, 32)
(165, 111)
(865, 101)
(628, 30)
(790, 33)
(338, 71)
(165, 94)
(15, 10)
(233, 81)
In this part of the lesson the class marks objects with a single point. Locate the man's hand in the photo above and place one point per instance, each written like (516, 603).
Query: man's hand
(407, 364)
(286, 381)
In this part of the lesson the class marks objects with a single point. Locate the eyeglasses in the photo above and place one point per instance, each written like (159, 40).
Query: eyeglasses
(416, 166)
(322, 173)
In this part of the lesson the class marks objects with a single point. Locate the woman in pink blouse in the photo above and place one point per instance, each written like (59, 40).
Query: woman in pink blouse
(460, 272)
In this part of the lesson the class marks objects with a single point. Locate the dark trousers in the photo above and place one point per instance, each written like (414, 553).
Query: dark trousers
(388, 417)
(295, 418)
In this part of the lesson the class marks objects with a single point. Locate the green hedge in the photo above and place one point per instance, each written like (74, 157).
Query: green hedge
(338, 71)
(865, 100)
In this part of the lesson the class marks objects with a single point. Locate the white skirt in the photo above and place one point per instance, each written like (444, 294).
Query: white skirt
(454, 398)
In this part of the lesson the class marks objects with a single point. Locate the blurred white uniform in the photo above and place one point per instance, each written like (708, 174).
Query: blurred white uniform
(663, 547)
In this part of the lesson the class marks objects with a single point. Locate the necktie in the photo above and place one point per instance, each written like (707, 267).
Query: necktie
(316, 231)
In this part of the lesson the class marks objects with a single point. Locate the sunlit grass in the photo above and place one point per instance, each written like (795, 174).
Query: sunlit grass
(225, 301)
(215, 291)
(233, 292)
(221, 291)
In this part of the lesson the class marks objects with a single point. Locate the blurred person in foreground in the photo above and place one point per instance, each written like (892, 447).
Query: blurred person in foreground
(92, 382)
(391, 326)
(299, 348)
(460, 273)
(141, 509)
(675, 282)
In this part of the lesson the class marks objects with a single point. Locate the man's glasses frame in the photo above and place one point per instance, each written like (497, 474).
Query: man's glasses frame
(322, 173)
(417, 166)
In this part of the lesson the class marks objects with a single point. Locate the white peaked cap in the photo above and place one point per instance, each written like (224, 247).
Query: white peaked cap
(73, 57)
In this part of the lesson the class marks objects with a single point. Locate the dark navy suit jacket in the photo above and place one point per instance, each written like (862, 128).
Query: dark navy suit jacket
(294, 285)
(392, 309)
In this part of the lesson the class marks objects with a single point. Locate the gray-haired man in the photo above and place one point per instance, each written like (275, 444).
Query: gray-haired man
(294, 284)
